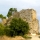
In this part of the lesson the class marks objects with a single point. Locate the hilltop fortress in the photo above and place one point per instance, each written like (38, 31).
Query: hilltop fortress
(28, 15)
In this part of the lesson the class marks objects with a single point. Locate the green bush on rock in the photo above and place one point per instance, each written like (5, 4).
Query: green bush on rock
(17, 27)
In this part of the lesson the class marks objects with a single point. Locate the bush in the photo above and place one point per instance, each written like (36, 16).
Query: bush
(27, 37)
(17, 27)
(1, 30)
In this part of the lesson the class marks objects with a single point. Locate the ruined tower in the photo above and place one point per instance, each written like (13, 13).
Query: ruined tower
(29, 15)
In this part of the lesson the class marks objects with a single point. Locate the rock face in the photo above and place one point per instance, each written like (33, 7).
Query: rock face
(28, 15)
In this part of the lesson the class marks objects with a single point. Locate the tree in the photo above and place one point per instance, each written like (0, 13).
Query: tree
(15, 9)
(18, 27)
(3, 17)
(10, 12)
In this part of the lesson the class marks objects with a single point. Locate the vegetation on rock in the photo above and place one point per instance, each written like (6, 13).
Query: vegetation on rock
(11, 11)
(2, 30)
(3, 17)
(17, 27)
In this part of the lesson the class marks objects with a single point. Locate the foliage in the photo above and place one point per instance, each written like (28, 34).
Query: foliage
(9, 14)
(1, 29)
(18, 27)
(7, 31)
(3, 17)
(27, 37)
(11, 11)
(15, 9)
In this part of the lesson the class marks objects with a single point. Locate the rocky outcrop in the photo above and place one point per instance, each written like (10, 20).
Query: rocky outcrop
(28, 15)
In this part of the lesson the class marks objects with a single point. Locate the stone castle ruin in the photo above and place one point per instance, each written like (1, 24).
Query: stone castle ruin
(28, 15)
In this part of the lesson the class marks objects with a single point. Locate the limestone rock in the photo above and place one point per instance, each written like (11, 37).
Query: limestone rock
(28, 15)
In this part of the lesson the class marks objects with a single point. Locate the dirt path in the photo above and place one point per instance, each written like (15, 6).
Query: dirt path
(35, 37)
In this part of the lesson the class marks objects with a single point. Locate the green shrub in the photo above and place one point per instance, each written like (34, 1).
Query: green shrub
(27, 37)
(17, 27)
(7, 30)
(1, 30)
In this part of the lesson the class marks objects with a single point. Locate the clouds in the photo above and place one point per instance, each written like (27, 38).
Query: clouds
(19, 4)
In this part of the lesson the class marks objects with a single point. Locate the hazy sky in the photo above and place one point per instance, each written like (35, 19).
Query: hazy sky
(20, 4)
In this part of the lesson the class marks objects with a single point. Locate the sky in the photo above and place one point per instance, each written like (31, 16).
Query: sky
(5, 5)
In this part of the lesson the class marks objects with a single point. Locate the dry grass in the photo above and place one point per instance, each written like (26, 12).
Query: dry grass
(12, 38)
